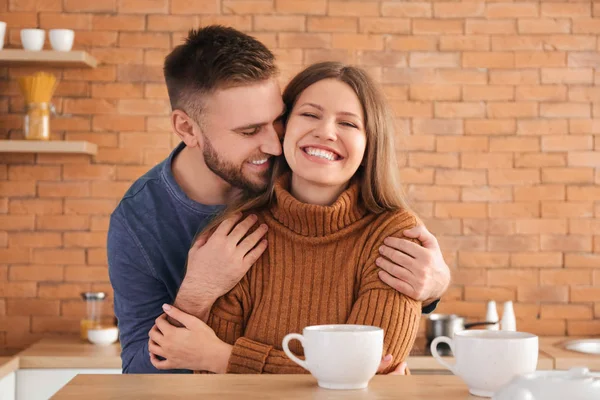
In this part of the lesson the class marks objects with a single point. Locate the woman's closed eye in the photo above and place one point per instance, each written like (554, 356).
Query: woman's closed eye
(349, 124)
(310, 115)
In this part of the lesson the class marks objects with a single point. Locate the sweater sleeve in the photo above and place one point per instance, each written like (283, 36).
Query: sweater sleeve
(229, 313)
(228, 319)
(376, 304)
(381, 305)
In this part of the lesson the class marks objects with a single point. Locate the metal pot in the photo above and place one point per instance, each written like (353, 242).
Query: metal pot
(448, 325)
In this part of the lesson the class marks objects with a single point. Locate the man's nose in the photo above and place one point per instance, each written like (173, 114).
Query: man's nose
(272, 142)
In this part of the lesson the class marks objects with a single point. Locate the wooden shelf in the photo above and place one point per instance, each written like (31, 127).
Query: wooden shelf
(50, 146)
(50, 58)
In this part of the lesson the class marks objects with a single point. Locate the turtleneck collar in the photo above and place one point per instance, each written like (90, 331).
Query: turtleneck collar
(315, 220)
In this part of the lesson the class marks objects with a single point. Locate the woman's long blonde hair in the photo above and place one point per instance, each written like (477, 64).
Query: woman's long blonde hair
(381, 188)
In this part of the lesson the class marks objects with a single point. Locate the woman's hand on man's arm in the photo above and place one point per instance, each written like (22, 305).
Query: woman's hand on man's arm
(193, 346)
(419, 272)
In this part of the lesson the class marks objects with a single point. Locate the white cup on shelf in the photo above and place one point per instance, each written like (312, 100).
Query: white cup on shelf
(33, 39)
(2, 33)
(62, 39)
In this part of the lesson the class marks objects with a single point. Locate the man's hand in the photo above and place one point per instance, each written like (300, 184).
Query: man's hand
(417, 271)
(193, 346)
(217, 263)
(387, 361)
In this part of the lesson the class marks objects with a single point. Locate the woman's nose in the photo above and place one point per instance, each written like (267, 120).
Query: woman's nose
(326, 131)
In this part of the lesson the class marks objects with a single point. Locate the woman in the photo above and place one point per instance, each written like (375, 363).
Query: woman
(332, 202)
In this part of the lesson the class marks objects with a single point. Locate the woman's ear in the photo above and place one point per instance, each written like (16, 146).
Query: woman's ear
(183, 126)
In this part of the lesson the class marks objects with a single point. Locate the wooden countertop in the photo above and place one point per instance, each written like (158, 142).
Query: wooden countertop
(565, 359)
(70, 352)
(235, 387)
(8, 365)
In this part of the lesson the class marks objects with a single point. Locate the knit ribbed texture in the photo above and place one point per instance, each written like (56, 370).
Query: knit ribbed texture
(319, 268)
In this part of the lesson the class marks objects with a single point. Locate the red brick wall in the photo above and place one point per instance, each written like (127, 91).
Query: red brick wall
(498, 101)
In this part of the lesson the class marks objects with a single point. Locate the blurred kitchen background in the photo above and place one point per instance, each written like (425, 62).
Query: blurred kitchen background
(497, 105)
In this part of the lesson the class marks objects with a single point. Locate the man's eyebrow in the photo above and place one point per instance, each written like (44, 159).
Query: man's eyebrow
(250, 126)
(259, 124)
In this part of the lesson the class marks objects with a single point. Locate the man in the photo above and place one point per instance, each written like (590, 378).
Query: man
(226, 109)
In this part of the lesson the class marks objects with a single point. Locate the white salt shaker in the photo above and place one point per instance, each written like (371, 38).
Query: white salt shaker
(509, 322)
(491, 315)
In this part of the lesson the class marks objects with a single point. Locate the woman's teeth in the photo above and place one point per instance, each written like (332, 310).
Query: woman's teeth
(328, 155)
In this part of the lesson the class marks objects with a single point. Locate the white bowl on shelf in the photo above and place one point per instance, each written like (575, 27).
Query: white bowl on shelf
(103, 336)
(62, 39)
(33, 39)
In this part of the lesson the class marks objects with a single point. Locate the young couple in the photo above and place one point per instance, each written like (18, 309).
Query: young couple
(272, 214)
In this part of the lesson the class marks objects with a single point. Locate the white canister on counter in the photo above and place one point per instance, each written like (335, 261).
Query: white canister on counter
(491, 315)
(508, 322)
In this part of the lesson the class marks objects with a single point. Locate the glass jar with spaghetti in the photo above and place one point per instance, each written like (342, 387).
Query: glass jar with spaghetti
(37, 121)
(37, 89)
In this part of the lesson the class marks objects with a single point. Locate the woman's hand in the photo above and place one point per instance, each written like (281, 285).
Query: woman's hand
(387, 361)
(193, 346)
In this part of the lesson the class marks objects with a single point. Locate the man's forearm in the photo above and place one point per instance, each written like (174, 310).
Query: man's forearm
(191, 299)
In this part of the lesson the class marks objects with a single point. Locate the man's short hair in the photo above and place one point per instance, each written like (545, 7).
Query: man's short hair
(214, 57)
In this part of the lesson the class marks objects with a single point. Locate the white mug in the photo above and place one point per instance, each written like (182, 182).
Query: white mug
(339, 356)
(2, 32)
(487, 360)
(33, 39)
(62, 39)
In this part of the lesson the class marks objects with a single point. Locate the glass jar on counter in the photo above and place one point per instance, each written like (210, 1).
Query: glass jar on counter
(94, 302)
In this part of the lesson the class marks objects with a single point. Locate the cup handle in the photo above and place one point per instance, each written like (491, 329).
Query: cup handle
(435, 354)
(292, 356)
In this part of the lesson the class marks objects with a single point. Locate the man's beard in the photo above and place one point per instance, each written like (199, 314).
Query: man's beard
(232, 174)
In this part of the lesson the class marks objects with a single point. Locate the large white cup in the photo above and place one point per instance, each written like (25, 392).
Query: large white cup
(339, 356)
(487, 360)
(2, 33)
(33, 39)
(62, 39)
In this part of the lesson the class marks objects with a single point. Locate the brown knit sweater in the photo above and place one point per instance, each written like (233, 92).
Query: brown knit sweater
(319, 268)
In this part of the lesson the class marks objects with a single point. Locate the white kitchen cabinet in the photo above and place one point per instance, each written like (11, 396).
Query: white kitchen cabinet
(7, 387)
(41, 384)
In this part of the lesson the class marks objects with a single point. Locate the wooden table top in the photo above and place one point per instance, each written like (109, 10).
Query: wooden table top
(235, 387)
